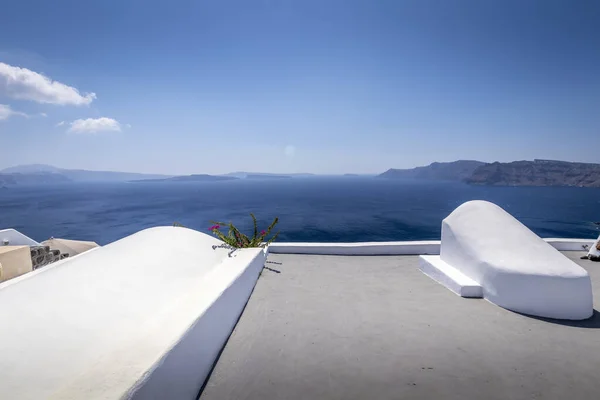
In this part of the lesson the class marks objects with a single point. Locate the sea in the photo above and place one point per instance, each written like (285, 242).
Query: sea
(310, 209)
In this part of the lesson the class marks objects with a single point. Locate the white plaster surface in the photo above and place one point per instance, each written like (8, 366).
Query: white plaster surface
(594, 248)
(150, 311)
(517, 270)
(15, 238)
(453, 279)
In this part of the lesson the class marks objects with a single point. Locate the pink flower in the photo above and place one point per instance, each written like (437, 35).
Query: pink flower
(214, 228)
(263, 233)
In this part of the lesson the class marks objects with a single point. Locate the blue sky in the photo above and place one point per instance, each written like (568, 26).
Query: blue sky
(323, 86)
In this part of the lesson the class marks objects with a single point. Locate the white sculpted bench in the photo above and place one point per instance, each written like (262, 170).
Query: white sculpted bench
(515, 268)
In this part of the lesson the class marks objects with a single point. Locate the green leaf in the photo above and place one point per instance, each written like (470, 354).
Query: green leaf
(255, 227)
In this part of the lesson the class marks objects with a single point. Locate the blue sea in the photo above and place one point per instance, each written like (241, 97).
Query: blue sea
(337, 209)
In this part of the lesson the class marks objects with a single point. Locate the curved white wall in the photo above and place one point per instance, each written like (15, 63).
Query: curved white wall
(104, 324)
(517, 270)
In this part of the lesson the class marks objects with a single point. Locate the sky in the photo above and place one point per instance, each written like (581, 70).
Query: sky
(321, 86)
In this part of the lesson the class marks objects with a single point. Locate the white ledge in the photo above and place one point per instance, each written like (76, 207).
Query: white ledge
(453, 279)
(424, 247)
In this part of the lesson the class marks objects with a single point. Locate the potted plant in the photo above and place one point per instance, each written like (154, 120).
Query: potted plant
(235, 238)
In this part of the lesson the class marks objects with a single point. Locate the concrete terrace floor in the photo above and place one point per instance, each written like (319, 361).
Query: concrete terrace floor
(338, 327)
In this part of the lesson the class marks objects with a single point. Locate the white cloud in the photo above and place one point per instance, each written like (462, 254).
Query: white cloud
(6, 112)
(61, 123)
(43, 115)
(92, 125)
(24, 84)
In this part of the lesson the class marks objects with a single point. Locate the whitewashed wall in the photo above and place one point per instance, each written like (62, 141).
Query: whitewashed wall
(143, 317)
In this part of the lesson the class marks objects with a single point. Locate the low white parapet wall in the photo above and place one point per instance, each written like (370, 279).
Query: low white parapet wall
(144, 317)
(425, 247)
(358, 249)
(570, 244)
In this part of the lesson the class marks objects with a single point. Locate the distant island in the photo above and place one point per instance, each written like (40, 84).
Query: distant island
(517, 173)
(439, 171)
(537, 173)
(267, 176)
(39, 174)
(32, 179)
(190, 178)
(43, 174)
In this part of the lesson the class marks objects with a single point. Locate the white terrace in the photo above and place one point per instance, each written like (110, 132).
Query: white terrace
(167, 314)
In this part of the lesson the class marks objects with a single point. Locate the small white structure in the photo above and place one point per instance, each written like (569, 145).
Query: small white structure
(144, 317)
(514, 267)
(11, 237)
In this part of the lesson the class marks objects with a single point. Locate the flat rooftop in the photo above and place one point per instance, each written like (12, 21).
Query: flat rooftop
(375, 327)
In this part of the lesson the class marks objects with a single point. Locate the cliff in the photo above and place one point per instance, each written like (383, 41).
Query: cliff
(537, 173)
(445, 171)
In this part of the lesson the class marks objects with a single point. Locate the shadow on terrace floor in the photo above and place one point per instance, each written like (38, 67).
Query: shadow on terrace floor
(591, 323)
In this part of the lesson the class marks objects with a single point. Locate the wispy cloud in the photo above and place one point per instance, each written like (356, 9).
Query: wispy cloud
(6, 112)
(93, 125)
(61, 123)
(24, 84)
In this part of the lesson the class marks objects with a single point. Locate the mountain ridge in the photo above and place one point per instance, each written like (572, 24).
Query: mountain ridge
(444, 171)
(25, 174)
(516, 173)
(537, 173)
